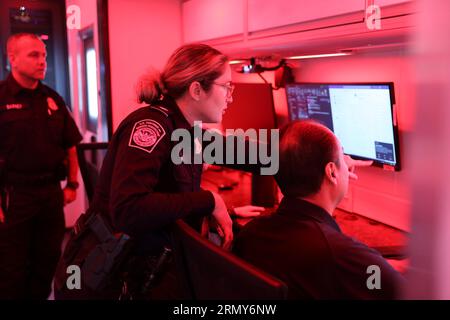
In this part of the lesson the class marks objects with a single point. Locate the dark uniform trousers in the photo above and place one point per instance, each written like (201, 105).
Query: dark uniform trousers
(30, 241)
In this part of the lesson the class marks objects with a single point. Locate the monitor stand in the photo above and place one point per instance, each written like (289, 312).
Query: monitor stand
(264, 191)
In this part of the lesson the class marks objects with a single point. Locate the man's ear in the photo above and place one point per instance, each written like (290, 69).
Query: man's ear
(195, 90)
(331, 172)
(11, 58)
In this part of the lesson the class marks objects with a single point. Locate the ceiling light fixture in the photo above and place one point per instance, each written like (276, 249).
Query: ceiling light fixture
(325, 55)
(236, 61)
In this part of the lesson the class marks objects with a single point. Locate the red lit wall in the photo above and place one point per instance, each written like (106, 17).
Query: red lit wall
(88, 17)
(142, 34)
(430, 238)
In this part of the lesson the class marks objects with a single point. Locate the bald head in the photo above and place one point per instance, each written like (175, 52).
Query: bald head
(27, 56)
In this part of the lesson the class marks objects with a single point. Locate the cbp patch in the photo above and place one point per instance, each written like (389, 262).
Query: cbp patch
(146, 134)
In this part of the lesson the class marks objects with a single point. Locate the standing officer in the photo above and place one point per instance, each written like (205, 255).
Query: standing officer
(37, 150)
(141, 191)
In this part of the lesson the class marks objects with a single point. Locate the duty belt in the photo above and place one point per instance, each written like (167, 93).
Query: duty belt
(21, 179)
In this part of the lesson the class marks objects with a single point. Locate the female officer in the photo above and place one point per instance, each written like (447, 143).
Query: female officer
(140, 189)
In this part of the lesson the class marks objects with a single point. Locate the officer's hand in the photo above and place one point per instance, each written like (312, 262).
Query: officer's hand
(69, 195)
(224, 223)
(352, 164)
(248, 211)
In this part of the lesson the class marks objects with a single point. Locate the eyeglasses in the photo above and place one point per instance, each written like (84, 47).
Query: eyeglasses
(229, 86)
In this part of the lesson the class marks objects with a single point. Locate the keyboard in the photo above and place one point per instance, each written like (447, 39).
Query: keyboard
(241, 222)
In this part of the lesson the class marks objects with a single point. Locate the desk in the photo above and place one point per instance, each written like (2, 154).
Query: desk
(239, 195)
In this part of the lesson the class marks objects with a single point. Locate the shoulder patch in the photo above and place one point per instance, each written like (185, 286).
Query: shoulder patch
(146, 134)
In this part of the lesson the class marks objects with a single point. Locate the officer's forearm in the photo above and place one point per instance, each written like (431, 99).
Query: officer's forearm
(72, 164)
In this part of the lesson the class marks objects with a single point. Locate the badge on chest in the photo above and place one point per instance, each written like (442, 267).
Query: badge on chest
(51, 106)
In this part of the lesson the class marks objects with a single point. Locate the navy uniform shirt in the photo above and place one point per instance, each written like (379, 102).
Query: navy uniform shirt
(140, 189)
(36, 128)
(302, 245)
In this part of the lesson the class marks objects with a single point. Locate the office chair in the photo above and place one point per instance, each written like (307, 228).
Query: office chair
(210, 273)
(90, 158)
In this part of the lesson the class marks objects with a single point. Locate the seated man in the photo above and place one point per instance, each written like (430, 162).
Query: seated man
(301, 243)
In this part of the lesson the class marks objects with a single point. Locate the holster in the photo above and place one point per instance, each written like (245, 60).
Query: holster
(106, 257)
(98, 252)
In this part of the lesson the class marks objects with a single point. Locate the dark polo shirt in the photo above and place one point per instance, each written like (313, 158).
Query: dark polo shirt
(302, 245)
(36, 128)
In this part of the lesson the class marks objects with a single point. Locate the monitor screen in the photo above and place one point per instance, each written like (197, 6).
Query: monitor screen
(361, 116)
(252, 107)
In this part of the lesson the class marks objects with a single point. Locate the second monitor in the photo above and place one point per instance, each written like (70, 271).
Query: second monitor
(361, 115)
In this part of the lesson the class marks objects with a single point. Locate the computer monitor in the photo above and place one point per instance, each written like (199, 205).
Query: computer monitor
(360, 114)
(252, 107)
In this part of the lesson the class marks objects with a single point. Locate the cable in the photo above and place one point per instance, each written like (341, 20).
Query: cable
(259, 74)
